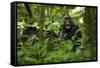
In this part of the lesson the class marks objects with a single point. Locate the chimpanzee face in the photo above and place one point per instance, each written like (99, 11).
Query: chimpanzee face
(67, 23)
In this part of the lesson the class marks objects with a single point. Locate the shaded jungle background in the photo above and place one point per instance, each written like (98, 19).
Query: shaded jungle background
(52, 49)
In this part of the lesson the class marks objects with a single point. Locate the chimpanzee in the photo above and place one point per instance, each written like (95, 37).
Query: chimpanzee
(50, 34)
(69, 30)
(29, 34)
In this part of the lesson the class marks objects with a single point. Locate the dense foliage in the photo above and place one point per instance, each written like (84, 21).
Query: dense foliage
(51, 49)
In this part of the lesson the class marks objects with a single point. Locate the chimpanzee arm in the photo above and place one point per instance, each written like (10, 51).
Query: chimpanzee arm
(61, 31)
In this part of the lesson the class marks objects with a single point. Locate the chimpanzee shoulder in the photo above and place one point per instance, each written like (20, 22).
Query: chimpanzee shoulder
(74, 27)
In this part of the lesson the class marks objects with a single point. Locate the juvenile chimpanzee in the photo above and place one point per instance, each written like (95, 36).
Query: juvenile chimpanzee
(49, 34)
(69, 30)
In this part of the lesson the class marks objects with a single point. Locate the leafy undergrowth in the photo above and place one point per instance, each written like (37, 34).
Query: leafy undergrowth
(53, 51)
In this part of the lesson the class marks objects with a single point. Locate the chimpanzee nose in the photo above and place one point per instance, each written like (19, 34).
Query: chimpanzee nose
(67, 23)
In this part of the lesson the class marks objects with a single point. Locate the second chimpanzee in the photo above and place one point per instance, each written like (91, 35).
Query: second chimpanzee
(29, 34)
(69, 30)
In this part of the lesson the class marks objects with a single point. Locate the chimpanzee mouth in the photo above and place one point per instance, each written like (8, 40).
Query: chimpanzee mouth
(67, 23)
(68, 27)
